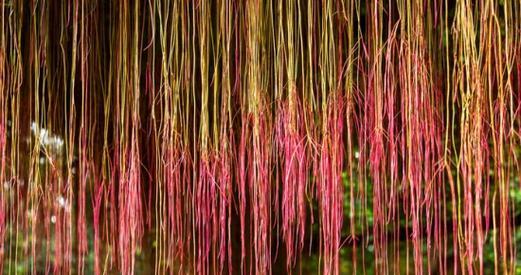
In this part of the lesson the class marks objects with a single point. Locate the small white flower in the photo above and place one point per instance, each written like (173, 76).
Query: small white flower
(44, 136)
(34, 127)
(53, 219)
(42, 160)
(59, 142)
(61, 201)
(357, 154)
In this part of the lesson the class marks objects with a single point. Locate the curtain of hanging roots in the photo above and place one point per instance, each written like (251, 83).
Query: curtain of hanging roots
(260, 136)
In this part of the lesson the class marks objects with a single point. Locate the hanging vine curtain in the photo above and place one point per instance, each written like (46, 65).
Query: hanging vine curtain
(260, 136)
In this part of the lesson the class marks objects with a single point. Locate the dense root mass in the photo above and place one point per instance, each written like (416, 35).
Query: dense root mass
(260, 136)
